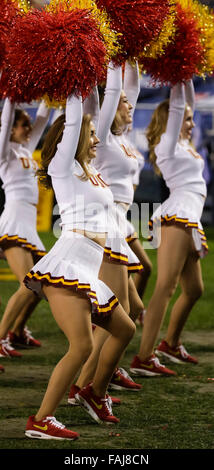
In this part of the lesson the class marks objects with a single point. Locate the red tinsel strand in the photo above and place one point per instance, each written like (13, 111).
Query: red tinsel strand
(183, 55)
(7, 13)
(138, 21)
(57, 54)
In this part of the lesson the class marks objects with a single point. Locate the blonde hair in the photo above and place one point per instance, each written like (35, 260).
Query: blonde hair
(53, 138)
(155, 129)
(117, 124)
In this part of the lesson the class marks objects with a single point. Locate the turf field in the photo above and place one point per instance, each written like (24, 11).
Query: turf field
(169, 413)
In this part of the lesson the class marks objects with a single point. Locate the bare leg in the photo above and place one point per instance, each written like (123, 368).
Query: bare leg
(136, 304)
(73, 316)
(121, 329)
(141, 279)
(24, 315)
(116, 278)
(192, 288)
(20, 262)
(171, 258)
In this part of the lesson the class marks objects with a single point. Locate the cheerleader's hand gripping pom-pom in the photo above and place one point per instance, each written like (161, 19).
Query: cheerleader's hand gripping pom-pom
(183, 57)
(57, 54)
(138, 21)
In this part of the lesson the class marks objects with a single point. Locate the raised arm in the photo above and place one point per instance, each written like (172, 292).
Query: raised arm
(190, 94)
(63, 160)
(39, 125)
(175, 120)
(110, 102)
(91, 106)
(7, 118)
(132, 83)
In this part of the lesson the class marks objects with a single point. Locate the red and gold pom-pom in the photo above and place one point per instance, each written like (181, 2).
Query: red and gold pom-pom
(184, 55)
(205, 21)
(138, 21)
(7, 13)
(57, 54)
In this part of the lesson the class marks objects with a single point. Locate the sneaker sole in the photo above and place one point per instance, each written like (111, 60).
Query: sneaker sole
(39, 435)
(73, 402)
(171, 358)
(144, 373)
(118, 387)
(90, 411)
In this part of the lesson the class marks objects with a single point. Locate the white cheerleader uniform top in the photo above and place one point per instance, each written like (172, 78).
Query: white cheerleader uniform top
(115, 160)
(83, 203)
(180, 165)
(17, 167)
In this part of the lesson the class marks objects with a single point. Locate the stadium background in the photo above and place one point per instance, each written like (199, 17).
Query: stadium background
(151, 188)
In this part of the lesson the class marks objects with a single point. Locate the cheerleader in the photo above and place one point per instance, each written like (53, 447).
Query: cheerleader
(117, 167)
(180, 240)
(132, 89)
(18, 236)
(68, 275)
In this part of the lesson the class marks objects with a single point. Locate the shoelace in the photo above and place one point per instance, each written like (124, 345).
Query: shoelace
(7, 344)
(3, 343)
(52, 420)
(107, 404)
(27, 334)
(125, 374)
(156, 361)
(109, 399)
(183, 351)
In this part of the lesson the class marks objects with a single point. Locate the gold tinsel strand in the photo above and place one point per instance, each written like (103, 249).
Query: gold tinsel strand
(24, 5)
(157, 46)
(51, 103)
(204, 18)
(101, 18)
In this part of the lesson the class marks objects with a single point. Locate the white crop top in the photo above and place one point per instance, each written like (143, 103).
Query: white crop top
(17, 167)
(115, 160)
(83, 204)
(180, 165)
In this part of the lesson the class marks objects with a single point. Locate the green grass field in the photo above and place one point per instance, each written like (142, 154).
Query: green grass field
(169, 413)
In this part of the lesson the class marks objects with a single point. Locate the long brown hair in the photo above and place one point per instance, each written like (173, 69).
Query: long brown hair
(155, 129)
(53, 138)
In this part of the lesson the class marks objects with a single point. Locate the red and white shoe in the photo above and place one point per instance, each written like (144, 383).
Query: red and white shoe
(122, 381)
(6, 350)
(113, 400)
(48, 428)
(149, 367)
(1, 369)
(71, 397)
(25, 340)
(75, 389)
(178, 355)
(98, 408)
